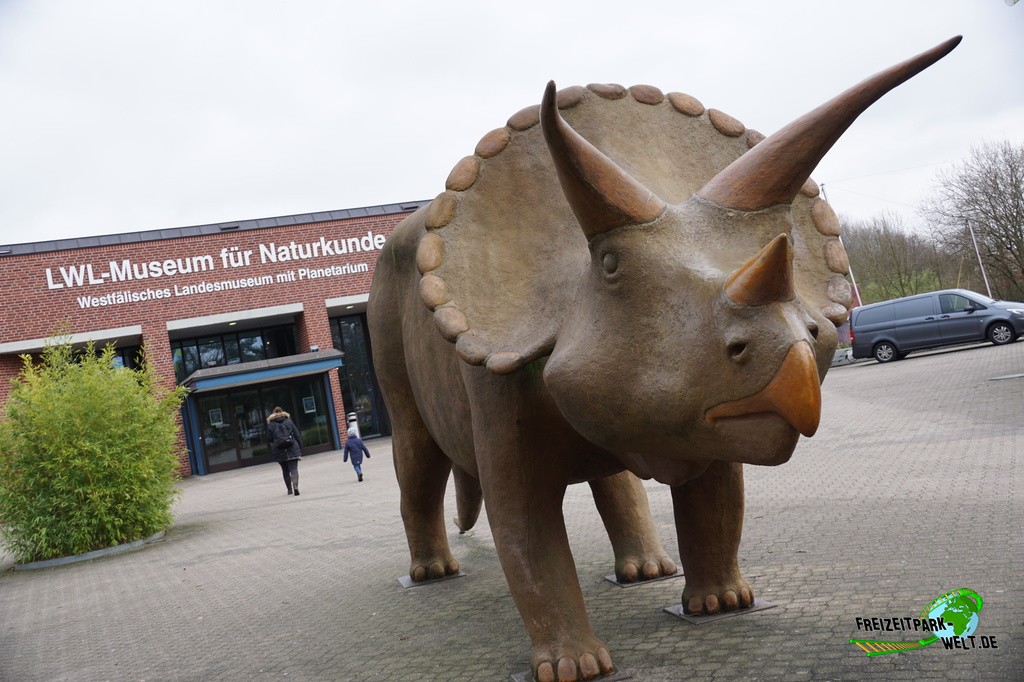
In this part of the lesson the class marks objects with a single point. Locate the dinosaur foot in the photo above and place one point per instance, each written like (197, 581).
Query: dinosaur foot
(709, 599)
(572, 663)
(645, 568)
(433, 568)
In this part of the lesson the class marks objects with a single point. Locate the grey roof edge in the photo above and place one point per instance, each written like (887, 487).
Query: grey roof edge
(256, 365)
(161, 234)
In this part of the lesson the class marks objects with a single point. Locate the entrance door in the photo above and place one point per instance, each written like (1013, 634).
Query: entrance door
(234, 430)
(311, 415)
(304, 401)
(250, 425)
(234, 425)
(218, 429)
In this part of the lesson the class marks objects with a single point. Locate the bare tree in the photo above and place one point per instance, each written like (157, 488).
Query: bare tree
(986, 192)
(891, 261)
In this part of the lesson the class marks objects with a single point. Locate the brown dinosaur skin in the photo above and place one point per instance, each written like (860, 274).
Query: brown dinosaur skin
(516, 441)
(429, 391)
(669, 364)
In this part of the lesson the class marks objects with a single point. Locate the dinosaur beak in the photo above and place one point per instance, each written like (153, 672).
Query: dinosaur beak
(794, 394)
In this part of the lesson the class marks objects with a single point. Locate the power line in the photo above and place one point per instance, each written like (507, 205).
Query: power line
(891, 172)
(869, 196)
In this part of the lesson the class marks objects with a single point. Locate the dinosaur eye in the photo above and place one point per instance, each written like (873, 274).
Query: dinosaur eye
(736, 350)
(813, 329)
(610, 262)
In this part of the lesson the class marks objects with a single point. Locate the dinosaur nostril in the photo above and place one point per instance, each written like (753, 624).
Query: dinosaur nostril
(813, 329)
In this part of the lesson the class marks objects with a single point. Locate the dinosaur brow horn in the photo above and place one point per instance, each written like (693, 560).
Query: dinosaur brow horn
(765, 278)
(602, 195)
(774, 170)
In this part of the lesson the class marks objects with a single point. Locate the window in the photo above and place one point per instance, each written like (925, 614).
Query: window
(358, 388)
(877, 315)
(251, 347)
(915, 307)
(127, 357)
(955, 303)
(211, 352)
(189, 358)
(279, 341)
(230, 349)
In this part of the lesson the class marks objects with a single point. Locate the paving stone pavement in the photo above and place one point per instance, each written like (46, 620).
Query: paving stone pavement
(912, 487)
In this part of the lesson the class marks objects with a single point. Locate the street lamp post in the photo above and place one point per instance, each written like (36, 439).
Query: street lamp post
(978, 254)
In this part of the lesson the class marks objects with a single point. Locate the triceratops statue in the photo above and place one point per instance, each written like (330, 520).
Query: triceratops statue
(641, 286)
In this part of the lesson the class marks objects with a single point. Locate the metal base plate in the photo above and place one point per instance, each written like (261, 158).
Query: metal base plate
(612, 579)
(614, 677)
(406, 581)
(677, 611)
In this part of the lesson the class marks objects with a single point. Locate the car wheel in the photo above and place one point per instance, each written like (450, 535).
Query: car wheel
(885, 352)
(1001, 333)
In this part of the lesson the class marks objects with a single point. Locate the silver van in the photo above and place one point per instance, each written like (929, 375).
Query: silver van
(889, 330)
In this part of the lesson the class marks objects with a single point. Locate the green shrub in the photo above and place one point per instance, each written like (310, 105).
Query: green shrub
(87, 455)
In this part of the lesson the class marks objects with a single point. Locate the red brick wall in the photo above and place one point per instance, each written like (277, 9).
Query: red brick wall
(10, 367)
(34, 306)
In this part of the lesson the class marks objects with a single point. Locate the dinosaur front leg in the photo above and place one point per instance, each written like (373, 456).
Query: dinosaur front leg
(709, 522)
(622, 502)
(525, 510)
(524, 478)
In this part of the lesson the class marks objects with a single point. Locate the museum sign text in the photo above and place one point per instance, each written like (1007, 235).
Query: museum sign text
(232, 260)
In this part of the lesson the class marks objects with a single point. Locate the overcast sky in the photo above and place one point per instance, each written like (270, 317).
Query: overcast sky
(122, 115)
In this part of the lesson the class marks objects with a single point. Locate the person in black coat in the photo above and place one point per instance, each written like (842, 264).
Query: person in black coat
(286, 446)
(355, 448)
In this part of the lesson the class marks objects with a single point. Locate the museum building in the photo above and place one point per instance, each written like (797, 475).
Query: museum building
(247, 315)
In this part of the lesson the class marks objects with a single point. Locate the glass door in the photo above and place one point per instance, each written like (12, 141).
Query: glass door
(311, 417)
(218, 421)
(303, 399)
(250, 425)
(234, 426)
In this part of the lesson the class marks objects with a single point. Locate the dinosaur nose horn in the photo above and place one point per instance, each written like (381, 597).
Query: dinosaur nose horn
(794, 394)
(765, 278)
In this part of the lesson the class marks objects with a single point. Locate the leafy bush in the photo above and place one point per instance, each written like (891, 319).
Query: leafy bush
(87, 455)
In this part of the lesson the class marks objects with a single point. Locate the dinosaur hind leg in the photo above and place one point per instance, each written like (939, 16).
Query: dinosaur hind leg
(468, 499)
(422, 470)
(625, 510)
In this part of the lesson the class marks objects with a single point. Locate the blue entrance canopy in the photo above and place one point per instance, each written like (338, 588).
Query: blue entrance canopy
(261, 371)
